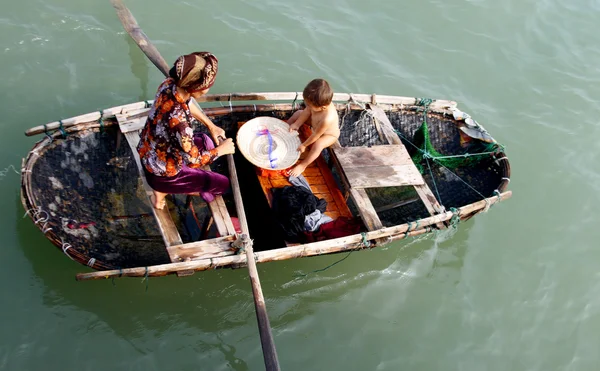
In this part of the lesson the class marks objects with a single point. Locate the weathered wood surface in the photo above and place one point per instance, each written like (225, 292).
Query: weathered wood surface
(166, 226)
(312, 249)
(220, 214)
(206, 249)
(423, 190)
(367, 211)
(135, 124)
(378, 166)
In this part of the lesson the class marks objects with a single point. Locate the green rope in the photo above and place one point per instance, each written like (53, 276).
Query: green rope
(411, 228)
(364, 241)
(407, 229)
(455, 218)
(62, 129)
(101, 122)
(47, 134)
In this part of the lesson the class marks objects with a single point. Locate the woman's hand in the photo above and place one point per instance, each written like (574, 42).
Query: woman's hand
(226, 147)
(216, 131)
(302, 148)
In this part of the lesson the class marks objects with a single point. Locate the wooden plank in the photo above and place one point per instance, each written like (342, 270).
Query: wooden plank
(366, 210)
(206, 249)
(382, 176)
(378, 166)
(332, 185)
(135, 124)
(423, 190)
(166, 226)
(220, 214)
(385, 155)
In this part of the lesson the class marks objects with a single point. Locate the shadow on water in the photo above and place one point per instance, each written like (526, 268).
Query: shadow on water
(139, 66)
(214, 309)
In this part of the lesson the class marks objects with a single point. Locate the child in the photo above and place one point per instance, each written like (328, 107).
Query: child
(323, 119)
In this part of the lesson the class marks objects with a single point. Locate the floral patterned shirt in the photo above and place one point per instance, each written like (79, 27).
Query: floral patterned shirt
(167, 141)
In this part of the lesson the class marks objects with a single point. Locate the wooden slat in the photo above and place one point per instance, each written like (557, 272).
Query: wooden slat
(220, 214)
(382, 176)
(166, 226)
(384, 155)
(378, 166)
(205, 249)
(333, 188)
(367, 211)
(134, 124)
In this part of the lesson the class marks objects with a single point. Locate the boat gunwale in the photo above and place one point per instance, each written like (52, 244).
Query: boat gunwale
(439, 106)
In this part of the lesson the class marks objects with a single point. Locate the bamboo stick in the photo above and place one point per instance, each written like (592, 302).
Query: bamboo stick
(140, 38)
(264, 326)
(348, 243)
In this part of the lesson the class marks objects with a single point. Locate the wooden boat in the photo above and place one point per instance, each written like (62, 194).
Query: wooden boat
(399, 177)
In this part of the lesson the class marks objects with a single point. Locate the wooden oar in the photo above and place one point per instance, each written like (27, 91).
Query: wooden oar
(266, 337)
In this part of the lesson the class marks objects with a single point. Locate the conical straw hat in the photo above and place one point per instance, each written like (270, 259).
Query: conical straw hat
(267, 143)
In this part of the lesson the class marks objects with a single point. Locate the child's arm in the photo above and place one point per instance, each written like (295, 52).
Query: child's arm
(316, 134)
(300, 120)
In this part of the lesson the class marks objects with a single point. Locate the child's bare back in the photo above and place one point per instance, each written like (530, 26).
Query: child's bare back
(321, 115)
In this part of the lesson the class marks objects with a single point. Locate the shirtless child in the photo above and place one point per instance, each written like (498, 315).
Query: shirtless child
(323, 119)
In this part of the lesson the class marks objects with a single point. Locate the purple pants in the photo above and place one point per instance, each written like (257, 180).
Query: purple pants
(189, 180)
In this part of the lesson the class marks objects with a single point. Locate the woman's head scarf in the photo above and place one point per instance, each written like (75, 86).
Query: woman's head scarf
(195, 71)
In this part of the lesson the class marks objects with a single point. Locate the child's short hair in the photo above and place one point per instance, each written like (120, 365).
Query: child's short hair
(318, 93)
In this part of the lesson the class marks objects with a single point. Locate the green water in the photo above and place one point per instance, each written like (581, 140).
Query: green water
(515, 289)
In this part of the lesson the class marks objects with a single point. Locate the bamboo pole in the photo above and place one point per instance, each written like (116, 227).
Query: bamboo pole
(266, 336)
(264, 326)
(354, 242)
(140, 38)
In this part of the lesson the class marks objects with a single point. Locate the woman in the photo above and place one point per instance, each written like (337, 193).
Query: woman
(171, 155)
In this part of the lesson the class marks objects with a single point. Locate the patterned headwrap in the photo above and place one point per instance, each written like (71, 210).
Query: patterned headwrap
(195, 71)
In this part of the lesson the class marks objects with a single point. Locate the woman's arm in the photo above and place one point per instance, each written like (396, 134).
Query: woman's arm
(214, 130)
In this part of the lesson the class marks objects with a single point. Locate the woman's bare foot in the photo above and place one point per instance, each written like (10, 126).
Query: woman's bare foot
(297, 170)
(158, 200)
